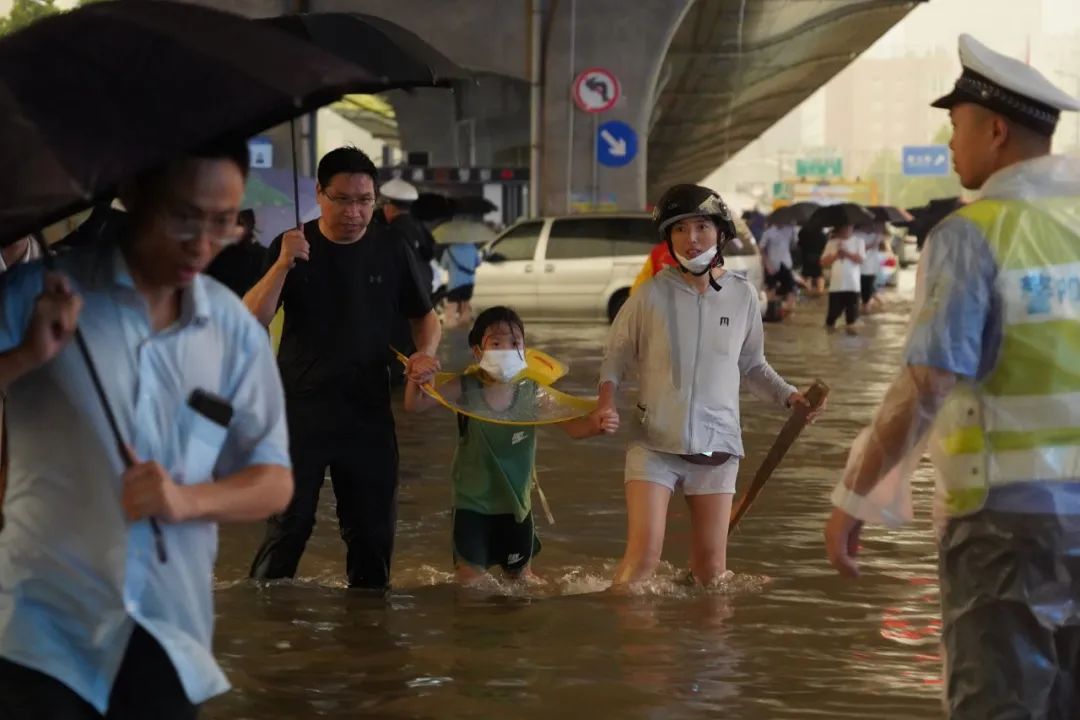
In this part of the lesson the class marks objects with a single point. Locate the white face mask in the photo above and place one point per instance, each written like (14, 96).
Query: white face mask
(502, 365)
(700, 263)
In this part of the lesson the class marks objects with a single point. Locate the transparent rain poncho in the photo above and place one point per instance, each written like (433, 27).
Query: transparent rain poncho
(991, 389)
(534, 401)
(991, 381)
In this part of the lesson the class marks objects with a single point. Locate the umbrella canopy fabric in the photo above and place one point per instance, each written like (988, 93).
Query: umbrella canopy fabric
(472, 205)
(397, 57)
(463, 232)
(795, 214)
(431, 207)
(840, 215)
(93, 97)
(889, 214)
(925, 218)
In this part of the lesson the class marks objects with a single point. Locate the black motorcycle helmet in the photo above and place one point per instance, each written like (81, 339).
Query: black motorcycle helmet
(687, 201)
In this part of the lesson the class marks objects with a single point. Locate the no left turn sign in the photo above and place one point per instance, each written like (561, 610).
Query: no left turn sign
(596, 90)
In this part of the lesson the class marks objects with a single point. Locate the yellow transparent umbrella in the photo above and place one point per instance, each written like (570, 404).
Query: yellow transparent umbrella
(545, 405)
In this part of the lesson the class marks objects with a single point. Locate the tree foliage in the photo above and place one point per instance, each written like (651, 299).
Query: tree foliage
(26, 12)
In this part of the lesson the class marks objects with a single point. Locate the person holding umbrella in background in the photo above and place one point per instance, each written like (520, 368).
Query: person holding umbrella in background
(460, 238)
(873, 235)
(843, 255)
(812, 242)
(776, 245)
(342, 282)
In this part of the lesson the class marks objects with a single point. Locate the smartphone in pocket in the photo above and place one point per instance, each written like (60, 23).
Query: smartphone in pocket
(212, 407)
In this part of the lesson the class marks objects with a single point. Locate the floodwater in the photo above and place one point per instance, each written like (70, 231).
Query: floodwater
(786, 639)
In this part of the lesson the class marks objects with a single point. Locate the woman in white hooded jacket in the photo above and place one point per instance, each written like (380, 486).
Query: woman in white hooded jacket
(694, 333)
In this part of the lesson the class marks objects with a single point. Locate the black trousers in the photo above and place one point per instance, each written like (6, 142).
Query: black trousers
(846, 303)
(782, 281)
(1011, 626)
(147, 686)
(359, 448)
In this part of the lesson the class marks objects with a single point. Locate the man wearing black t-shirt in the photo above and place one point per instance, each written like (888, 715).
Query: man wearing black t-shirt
(342, 281)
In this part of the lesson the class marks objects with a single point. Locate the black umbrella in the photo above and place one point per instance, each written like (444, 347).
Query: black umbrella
(840, 215)
(394, 55)
(472, 205)
(95, 96)
(929, 215)
(889, 214)
(430, 207)
(795, 214)
(399, 58)
(92, 98)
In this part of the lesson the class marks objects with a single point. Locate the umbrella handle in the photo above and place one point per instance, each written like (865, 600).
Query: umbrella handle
(295, 172)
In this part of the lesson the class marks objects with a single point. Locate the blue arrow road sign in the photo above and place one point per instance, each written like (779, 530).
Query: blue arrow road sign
(616, 144)
(926, 160)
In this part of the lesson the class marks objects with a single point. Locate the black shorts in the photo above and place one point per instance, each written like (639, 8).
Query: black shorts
(811, 267)
(868, 285)
(782, 281)
(462, 293)
(485, 541)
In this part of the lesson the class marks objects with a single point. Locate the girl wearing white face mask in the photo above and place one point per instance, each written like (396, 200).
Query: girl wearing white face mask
(694, 334)
(493, 466)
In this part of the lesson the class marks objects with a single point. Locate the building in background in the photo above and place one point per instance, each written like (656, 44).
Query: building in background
(883, 104)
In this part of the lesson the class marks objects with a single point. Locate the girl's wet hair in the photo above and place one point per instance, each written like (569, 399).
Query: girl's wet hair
(498, 315)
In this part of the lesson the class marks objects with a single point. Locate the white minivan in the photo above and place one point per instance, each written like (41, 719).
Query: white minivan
(578, 267)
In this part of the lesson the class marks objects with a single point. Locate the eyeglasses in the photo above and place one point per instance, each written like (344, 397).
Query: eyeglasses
(344, 202)
(184, 227)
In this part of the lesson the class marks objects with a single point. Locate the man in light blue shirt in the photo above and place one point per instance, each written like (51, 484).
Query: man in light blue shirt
(776, 245)
(93, 622)
(461, 261)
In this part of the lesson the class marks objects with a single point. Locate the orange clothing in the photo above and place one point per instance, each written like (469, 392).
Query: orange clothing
(658, 259)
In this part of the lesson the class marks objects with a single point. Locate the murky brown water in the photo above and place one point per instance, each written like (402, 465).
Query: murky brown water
(788, 640)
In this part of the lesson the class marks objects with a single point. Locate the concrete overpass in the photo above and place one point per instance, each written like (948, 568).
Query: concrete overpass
(699, 78)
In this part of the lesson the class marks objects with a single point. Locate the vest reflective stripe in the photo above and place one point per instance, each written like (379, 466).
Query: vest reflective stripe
(1022, 422)
(1037, 414)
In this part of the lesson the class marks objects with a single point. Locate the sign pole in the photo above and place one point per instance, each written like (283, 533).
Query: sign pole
(570, 111)
(595, 162)
(536, 108)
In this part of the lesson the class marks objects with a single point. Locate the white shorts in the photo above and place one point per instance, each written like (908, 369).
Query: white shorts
(671, 471)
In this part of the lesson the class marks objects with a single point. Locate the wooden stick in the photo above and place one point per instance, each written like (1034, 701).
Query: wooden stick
(816, 397)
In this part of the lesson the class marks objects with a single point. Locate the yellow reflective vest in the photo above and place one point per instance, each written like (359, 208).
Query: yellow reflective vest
(1021, 422)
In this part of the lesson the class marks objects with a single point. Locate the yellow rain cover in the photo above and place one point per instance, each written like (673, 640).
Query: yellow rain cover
(534, 402)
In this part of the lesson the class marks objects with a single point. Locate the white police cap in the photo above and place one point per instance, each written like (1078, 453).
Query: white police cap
(399, 191)
(1007, 86)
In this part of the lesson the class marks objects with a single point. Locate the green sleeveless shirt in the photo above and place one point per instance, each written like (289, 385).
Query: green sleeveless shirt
(493, 464)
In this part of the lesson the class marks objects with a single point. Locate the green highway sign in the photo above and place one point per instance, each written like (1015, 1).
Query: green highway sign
(819, 167)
